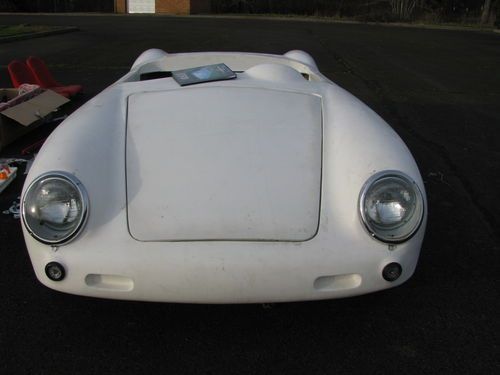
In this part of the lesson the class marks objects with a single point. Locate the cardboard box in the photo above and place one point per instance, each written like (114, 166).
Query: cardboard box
(26, 115)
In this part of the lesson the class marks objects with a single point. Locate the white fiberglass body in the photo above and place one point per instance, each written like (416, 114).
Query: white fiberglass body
(246, 190)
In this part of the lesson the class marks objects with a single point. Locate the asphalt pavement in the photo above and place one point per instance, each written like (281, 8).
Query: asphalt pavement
(439, 89)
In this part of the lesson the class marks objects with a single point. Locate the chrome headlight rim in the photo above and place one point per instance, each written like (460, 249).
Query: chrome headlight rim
(84, 198)
(362, 198)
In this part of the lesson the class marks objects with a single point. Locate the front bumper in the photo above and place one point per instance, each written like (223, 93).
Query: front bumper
(223, 272)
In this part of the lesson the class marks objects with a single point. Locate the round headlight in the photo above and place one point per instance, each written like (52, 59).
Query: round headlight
(392, 206)
(54, 207)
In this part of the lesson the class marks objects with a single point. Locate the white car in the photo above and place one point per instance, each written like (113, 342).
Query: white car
(277, 185)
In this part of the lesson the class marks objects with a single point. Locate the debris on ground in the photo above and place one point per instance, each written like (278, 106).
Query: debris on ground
(7, 175)
(14, 209)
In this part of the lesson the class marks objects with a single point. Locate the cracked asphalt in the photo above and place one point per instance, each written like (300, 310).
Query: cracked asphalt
(439, 89)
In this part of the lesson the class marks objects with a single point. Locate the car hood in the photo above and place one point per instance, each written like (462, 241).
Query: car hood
(223, 163)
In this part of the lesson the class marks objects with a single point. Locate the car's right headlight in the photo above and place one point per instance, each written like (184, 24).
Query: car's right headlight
(55, 207)
(391, 206)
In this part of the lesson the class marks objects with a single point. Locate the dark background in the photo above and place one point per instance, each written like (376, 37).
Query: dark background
(439, 89)
(468, 11)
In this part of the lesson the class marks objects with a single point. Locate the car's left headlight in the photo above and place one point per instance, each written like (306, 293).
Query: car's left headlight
(391, 206)
(55, 207)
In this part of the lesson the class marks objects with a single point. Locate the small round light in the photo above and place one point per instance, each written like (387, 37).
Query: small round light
(55, 271)
(54, 207)
(391, 206)
(392, 271)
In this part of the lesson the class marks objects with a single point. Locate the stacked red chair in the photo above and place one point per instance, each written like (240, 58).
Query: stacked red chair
(45, 79)
(36, 72)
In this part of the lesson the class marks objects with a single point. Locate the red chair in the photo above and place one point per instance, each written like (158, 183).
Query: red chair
(20, 73)
(45, 79)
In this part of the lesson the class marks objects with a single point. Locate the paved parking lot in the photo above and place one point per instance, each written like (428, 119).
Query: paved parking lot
(439, 89)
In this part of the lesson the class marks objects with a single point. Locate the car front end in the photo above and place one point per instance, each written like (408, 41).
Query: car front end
(276, 186)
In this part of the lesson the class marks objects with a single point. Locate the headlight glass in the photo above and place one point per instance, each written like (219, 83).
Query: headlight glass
(391, 206)
(55, 207)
